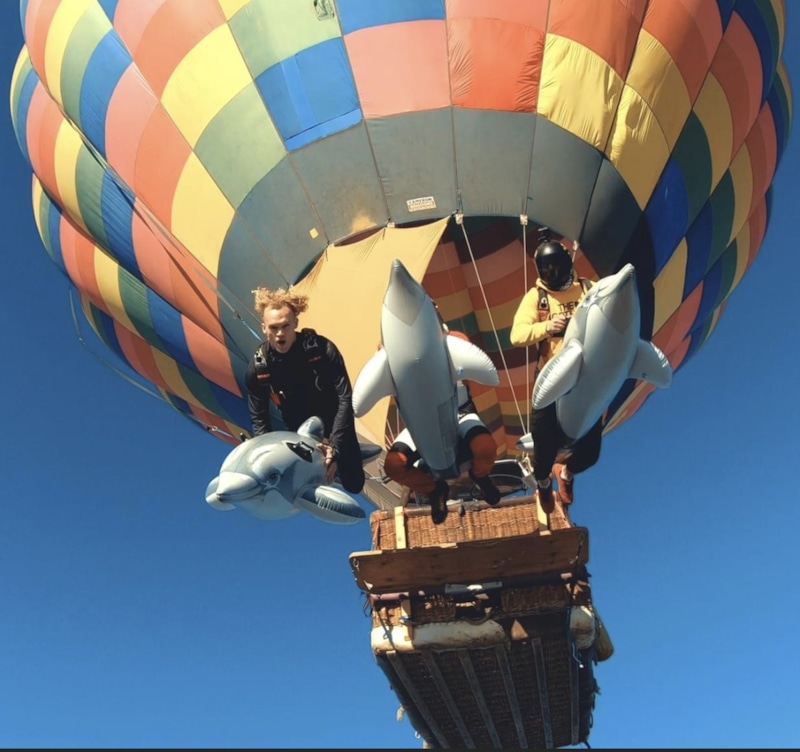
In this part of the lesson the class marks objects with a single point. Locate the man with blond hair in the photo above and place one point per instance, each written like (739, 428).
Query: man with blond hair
(303, 374)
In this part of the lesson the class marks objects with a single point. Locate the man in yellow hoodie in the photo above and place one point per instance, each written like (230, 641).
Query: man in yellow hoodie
(541, 319)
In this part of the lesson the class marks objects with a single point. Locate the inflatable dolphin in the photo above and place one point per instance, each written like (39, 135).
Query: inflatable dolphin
(601, 349)
(419, 365)
(281, 473)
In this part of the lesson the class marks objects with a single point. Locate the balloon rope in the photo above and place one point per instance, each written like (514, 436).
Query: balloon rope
(119, 372)
(460, 221)
(523, 219)
(105, 362)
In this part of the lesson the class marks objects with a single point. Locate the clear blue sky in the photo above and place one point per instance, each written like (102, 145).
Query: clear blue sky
(134, 615)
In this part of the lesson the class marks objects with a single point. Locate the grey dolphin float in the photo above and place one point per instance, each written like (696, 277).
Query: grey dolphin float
(281, 473)
(419, 365)
(602, 348)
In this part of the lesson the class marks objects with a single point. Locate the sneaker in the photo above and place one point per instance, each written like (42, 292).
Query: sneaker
(544, 498)
(438, 501)
(565, 487)
(490, 492)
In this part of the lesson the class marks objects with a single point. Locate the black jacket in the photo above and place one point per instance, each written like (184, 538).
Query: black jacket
(310, 379)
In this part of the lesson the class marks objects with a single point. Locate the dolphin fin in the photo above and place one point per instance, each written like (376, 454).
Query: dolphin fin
(470, 362)
(312, 428)
(369, 451)
(373, 383)
(525, 443)
(330, 504)
(651, 364)
(558, 376)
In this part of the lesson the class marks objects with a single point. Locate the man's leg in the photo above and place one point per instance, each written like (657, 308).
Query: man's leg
(400, 467)
(483, 454)
(350, 466)
(586, 451)
(545, 434)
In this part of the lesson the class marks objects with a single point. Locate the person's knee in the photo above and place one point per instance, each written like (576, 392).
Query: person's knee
(354, 484)
(484, 453)
(395, 465)
(585, 457)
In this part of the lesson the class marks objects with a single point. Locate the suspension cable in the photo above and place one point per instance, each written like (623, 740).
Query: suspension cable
(523, 220)
(459, 217)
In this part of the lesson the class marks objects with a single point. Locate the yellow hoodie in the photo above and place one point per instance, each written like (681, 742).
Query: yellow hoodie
(530, 321)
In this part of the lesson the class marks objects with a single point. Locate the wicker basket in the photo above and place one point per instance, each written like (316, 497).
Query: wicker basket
(516, 516)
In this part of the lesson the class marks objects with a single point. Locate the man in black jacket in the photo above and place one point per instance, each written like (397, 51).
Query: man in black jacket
(303, 374)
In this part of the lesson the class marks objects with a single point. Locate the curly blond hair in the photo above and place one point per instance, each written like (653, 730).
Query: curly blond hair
(276, 299)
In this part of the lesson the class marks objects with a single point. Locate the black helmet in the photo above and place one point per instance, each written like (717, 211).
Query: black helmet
(554, 265)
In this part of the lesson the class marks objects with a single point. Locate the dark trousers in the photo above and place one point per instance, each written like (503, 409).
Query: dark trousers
(549, 440)
(349, 466)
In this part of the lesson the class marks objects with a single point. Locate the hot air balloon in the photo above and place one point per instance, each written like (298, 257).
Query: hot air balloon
(184, 153)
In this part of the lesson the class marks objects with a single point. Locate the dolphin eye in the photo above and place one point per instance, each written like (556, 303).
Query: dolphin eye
(273, 477)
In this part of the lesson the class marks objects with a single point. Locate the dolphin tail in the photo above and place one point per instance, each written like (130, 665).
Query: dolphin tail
(470, 362)
(330, 504)
(651, 364)
(373, 383)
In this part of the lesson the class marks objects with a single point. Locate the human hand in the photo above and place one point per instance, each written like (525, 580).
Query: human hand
(329, 459)
(331, 474)
(556, 325)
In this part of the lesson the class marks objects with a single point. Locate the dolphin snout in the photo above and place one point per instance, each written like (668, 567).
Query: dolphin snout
(236, 487)
(404, 295)
(625, 276)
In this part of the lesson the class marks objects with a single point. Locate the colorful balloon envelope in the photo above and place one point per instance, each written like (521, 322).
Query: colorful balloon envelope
(185, 152)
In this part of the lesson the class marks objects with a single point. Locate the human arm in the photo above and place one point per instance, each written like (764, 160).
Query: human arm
(257, 402)
(526, 328)
(344, 419)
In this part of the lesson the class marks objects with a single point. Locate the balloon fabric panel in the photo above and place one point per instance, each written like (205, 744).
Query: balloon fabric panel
(669, 285)
(385, 86)
(667, 212)
(311, 95)
(106, 66)
(637, 146)
(762, 146)
(741, 176)
(362, 14)
(737, 67)
(765, 27)
(268, 32)
(161, 156)
(655, 77)
(713, 111)
(161, 37)
(204, 233)
(690, 32)
(240, 145)
(494, 65)
(206, 79)
(780, 102)
(579, 91)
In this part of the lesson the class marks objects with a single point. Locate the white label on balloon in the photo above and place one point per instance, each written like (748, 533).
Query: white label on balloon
(419, 204)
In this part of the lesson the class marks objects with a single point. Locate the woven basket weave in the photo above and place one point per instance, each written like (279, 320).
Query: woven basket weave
(479, 522)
